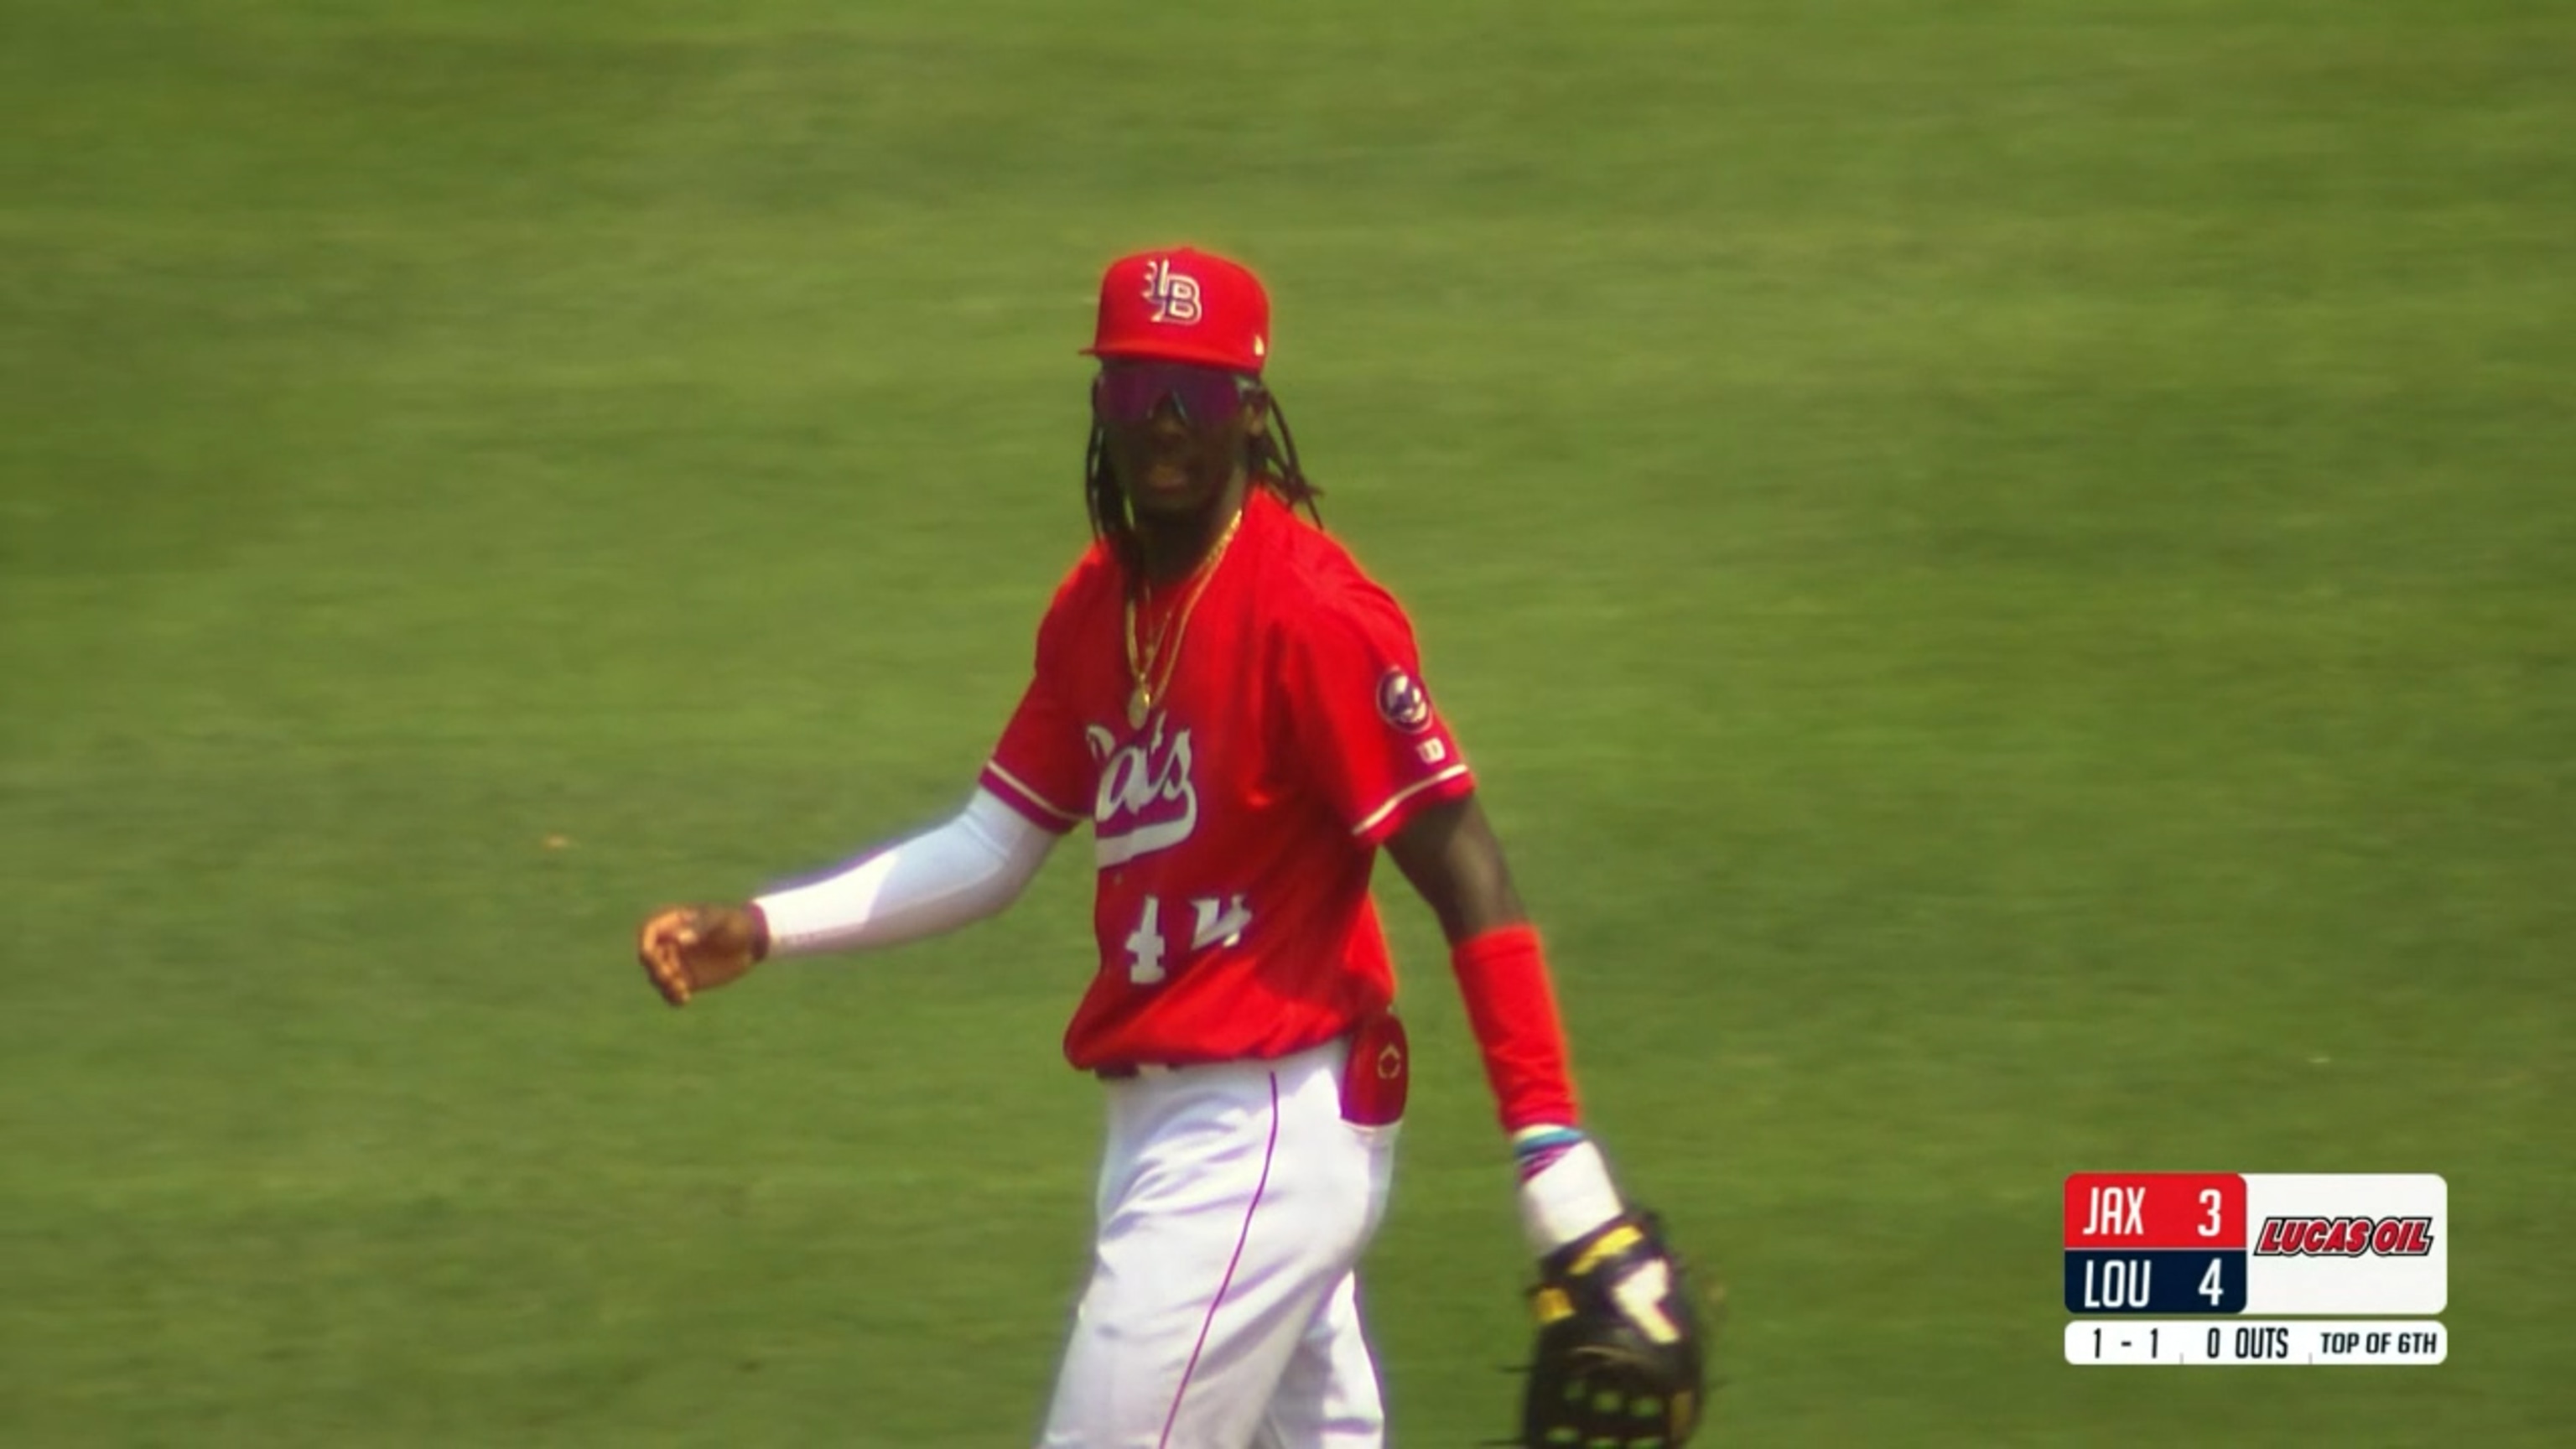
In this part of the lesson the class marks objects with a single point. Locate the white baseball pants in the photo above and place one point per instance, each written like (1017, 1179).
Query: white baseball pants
(1223, 1311)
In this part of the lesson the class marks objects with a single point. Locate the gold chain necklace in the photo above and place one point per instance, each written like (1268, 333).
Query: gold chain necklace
(1166, 648)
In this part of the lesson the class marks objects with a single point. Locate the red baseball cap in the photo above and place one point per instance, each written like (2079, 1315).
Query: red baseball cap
(1181, 304)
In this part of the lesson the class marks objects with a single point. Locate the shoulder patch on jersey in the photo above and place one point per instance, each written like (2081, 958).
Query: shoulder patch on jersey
(1401, 702)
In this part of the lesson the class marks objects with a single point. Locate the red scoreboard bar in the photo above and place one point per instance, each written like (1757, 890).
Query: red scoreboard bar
(2203, 1210)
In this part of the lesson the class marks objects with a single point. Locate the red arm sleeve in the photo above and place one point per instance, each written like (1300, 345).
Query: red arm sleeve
(1511, 1006)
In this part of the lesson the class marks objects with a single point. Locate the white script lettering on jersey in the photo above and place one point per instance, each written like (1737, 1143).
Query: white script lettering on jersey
(1146, 801)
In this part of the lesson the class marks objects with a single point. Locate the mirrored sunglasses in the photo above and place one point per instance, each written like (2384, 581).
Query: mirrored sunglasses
(1129, 395)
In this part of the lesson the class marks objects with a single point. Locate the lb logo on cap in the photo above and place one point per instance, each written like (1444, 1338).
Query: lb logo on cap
(1174, 296)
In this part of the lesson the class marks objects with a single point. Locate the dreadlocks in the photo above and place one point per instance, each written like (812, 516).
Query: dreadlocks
(1271, 460)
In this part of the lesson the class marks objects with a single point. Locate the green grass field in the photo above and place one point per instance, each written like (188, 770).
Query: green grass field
(2009, 570)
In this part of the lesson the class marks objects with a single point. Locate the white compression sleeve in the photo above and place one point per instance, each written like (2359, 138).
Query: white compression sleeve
(936, 881)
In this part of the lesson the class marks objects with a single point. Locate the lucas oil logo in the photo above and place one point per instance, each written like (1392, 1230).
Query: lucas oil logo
(1175, 295)
(2405, 1237)
(1146, 800)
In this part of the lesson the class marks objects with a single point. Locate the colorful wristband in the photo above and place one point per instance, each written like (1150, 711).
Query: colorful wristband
(1535, 1148)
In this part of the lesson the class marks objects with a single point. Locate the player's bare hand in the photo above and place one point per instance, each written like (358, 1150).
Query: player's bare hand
(689, 949)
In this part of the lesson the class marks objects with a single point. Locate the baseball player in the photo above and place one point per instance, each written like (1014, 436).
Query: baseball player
(1238, 713)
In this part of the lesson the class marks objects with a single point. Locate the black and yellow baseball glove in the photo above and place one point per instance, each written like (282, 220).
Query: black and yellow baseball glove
(1619, 1358)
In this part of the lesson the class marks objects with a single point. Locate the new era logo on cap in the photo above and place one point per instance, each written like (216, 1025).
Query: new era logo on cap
(1180, 304)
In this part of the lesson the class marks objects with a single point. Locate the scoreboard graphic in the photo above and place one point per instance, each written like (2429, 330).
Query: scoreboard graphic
(2145, 1247)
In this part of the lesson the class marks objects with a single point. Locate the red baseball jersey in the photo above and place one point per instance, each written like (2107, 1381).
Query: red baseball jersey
(1235, 828)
